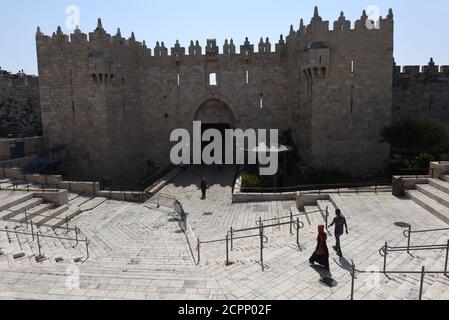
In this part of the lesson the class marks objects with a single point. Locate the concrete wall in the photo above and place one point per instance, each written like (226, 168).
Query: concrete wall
(19, 104)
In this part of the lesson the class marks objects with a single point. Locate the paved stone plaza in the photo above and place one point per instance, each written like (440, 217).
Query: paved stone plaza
(139, 252)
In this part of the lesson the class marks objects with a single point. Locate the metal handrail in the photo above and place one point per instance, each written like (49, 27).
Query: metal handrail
(354, 271)
(386, 249)
(39, 235)
(321, 187)
(412, 248)
(409, 231)
(25, 212)
(242, 237)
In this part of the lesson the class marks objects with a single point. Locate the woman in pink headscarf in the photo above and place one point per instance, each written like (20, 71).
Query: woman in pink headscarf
(321, 254)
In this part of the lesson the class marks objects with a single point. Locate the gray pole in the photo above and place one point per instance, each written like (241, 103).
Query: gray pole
(421, 288)
(447, 258)
(297, 231)
(409, 240)
(291, 222)
(385, 257)
(232, 239)
(352, 280)
(227, 250)
(32, 228)
(26, 219)
(261, 247)
(198, 247)
(39, 244)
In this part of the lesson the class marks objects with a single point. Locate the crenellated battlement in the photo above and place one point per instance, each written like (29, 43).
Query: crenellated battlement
(429, 70)
(99, 37)
(318, 25)
(19, 76)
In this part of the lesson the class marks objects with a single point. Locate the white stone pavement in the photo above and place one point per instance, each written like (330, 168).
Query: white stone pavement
(140, 253)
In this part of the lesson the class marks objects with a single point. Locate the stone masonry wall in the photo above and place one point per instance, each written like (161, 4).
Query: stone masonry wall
(421, 92)
(112, 102)
(19, 104)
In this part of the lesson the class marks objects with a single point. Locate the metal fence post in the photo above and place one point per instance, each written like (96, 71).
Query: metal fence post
(447, 258)
(409, 240)
(352, 280)
(67, 223)
(261, 246)
(227, 250)
(7, 234)
(76, 235)
(32, 229)
(39, 244)
(198, 248)
(327, 216)
(87, 248)
(232, 239)
(385, 257)
(291, 222)
(297, 231)
(26, 219)
(421, 288)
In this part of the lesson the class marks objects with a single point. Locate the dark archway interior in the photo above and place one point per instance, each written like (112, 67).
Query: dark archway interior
(222, 127)
(215, 114)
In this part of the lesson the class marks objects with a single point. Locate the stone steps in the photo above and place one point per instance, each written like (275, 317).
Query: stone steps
(54, 248)
(445, 178)
(80, 200)
(31, 214)
(434, 193)
(26, 205)
(16, 199)
(6, 195)
(68, 215)
(315, 218)
(93, 203)
(431, 205)
(440, 185)
(44, 218)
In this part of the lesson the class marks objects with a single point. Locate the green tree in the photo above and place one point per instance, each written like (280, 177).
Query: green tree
(413, 137)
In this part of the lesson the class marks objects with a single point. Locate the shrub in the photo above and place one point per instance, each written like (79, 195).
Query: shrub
(251, 180)
(411, 137)
(423, 160)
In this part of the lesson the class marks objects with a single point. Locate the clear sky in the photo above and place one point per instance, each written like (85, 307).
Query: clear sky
(421, 26)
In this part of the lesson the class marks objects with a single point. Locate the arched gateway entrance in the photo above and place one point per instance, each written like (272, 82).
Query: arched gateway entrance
(215, 114)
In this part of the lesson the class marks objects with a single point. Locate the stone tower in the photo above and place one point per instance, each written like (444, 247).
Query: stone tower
(341, 92)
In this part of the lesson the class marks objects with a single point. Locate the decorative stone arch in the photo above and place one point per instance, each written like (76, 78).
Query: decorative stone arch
(215, 108)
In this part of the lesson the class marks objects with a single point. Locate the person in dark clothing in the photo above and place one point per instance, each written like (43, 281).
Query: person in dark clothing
(321, 254)
(203, 187)
(340, 224)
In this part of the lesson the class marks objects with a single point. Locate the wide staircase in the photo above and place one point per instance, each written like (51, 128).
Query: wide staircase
(36, 232)
(434, 197)
(402, 279)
